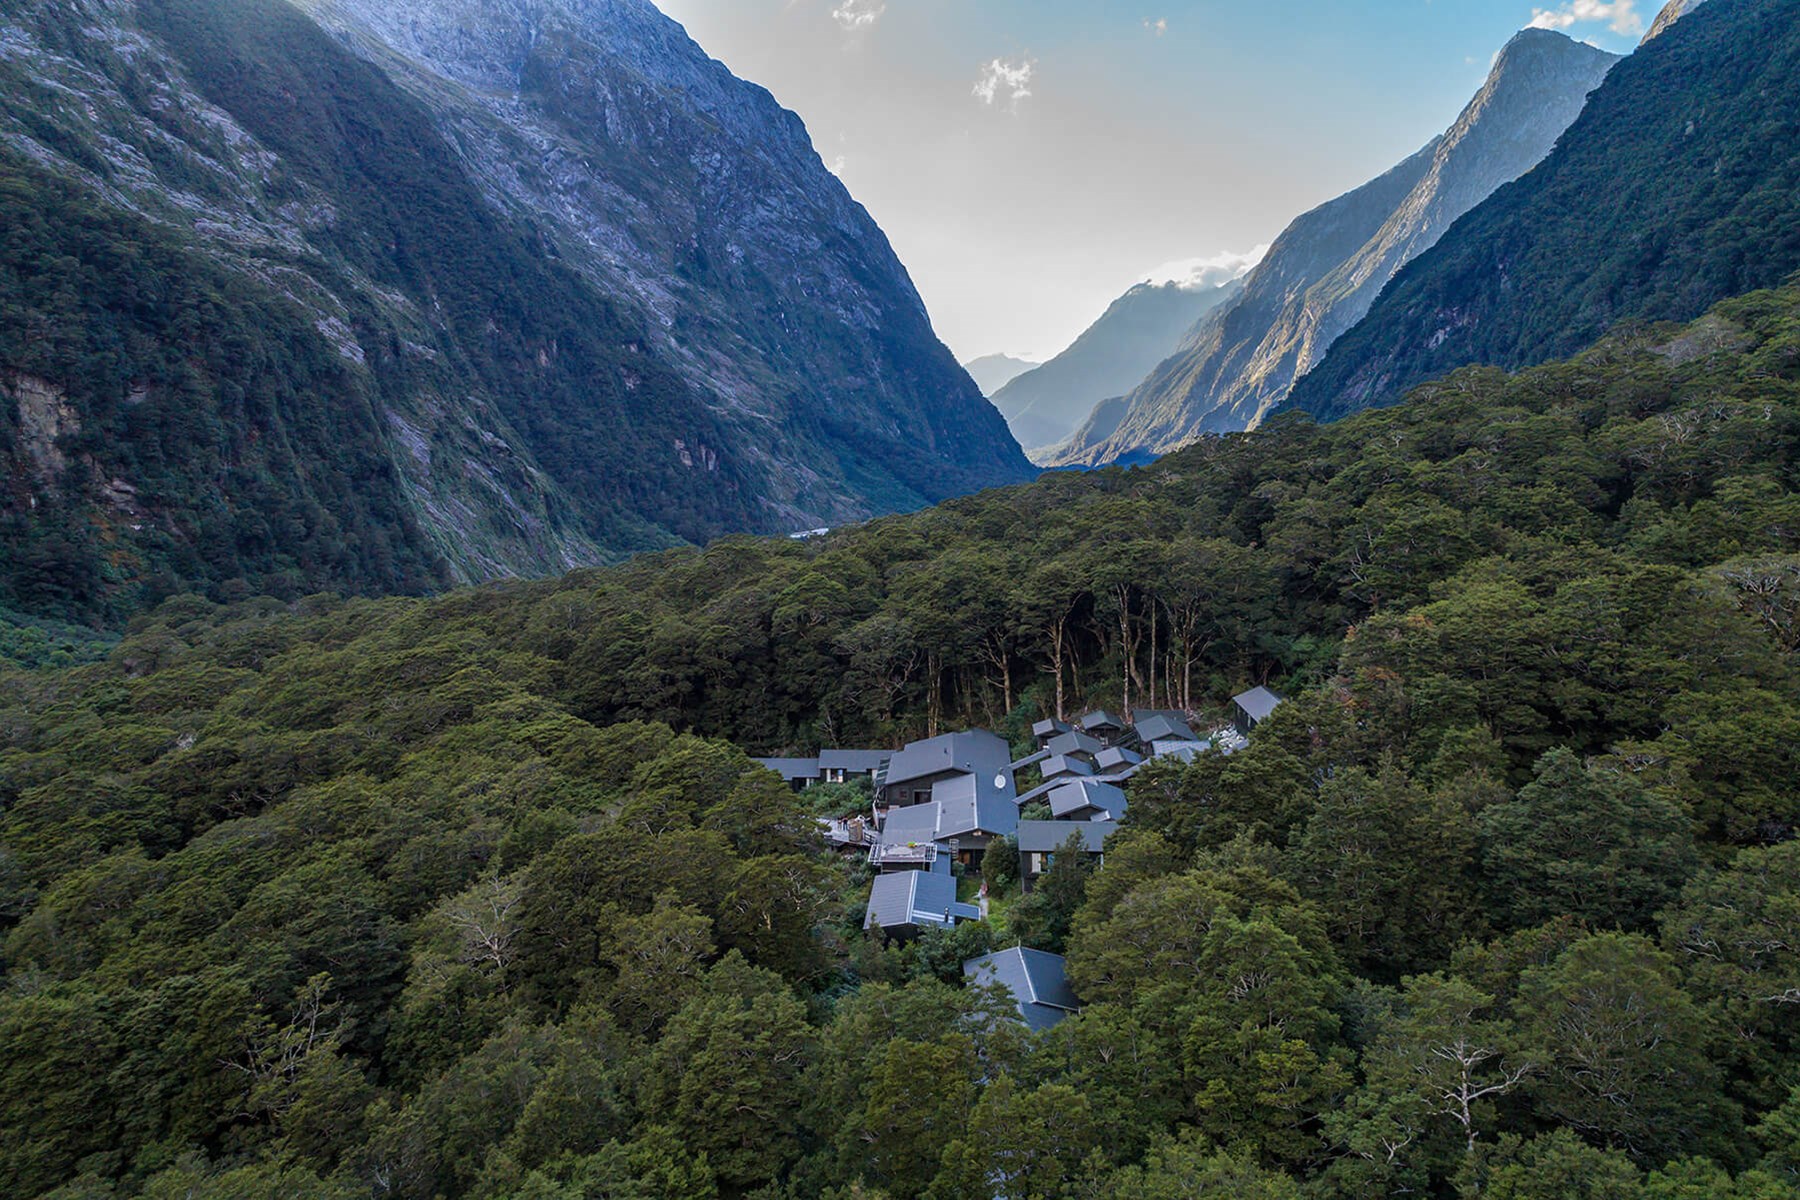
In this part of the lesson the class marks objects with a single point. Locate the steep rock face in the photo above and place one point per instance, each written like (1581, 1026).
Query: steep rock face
(1672, 12)
(660, 176)
(1244, 364)
(1678, 187)
(1137, 331)
(310, 335)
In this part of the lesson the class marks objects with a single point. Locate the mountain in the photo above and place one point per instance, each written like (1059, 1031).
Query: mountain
(1137, 331)
(991, 372)
(1326, 270)
(1671, 13)
(1678, 186)
(381, 296)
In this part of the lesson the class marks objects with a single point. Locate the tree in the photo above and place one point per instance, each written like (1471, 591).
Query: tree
(1588, 842)
(1020, 1145)
(1041, 919)
(1623, 1049)
(726, 1073)
(1446, 1046)
(1556, 1166)
(1391, 867)
(919, 1097)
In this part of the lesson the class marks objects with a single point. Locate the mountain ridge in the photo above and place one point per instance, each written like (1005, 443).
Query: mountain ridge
(522, 391)
(1675, 189)
(1138, 330)
(1239, 367)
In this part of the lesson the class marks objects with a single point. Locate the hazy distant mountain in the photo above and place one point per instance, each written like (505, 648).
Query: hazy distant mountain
(1138, 330)
(1678, 187)
(1325, 271)
(391, 293)
(991, 372)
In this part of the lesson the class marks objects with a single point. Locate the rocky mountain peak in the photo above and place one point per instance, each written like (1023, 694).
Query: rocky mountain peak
(1672, 12)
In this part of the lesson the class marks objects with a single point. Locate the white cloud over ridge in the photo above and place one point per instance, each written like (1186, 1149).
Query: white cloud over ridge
(859, 14)
(1006, 80)
(1620, 15)
(1196, 274)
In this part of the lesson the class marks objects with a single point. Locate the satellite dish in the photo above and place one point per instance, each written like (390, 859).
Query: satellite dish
(1000, 781)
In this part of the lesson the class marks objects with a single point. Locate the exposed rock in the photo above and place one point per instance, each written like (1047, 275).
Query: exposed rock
(1323, 274)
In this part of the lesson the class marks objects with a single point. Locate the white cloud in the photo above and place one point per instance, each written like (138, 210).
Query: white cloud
(1620, 15)
(1195, 274)
(1006, 80)
(1158, 27)
(859, 14)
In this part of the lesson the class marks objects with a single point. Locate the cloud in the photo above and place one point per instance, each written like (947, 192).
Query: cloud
(1197, 274)
(1158, 27)
(1006, 80)
(859, 14)
(1620, 15)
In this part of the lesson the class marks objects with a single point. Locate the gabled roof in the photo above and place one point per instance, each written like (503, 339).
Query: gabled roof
(976, 752)
(1059, 766)
(1257, 703)
(918, 823)
(967, 807)
(1086, 794)
(1038, 982)
(1075, 743)
(857, 762)
(792, 768)
(1165, 729)
(1114, 757)
(1100, 719)
(1049, 728)
(911, 898)
(1045, 837)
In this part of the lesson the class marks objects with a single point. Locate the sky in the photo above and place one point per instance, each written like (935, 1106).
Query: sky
(1031, 159)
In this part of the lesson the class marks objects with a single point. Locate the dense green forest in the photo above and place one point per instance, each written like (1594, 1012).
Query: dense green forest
(472, 897)
(1679, 185)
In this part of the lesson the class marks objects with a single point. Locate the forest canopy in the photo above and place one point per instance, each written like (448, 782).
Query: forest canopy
(480, 896)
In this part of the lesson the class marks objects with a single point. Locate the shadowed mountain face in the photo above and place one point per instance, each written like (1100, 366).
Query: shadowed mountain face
(374, 297)
(1137, 331)
(1678, 187)
(1326, 270)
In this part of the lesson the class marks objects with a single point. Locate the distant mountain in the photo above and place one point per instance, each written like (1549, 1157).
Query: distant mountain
(1137, 331)
(393, 293)
(991, 372)
(1326, 270)
(1678, 187)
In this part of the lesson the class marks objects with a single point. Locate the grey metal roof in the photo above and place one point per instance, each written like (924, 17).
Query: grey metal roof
(1038, 982)
(1257, 703)
(857, 762)
(918, 823)
(976, 752)
(1114, 757)
(1060, 766)
(1049, 728)
(915, 898)
(1075, 743)
(1044, 837)
(792, 768)
(1100, 719)
(1084, 794)
(968, 807)
(1165, 729)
